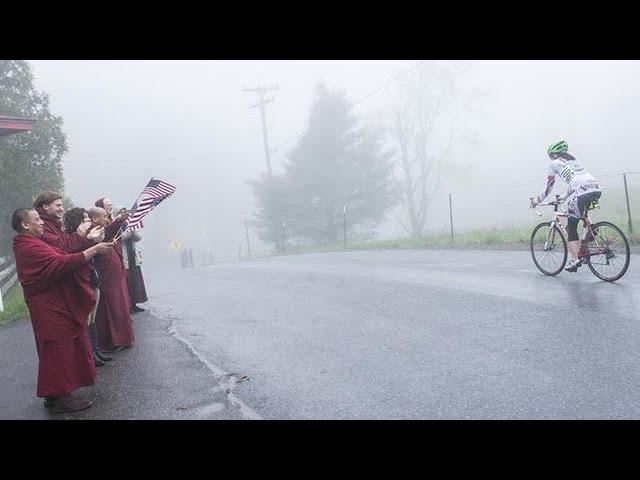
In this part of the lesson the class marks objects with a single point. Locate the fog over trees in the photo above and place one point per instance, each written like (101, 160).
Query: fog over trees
(404, 136)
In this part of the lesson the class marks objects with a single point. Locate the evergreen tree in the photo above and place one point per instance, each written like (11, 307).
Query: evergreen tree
(337, 163)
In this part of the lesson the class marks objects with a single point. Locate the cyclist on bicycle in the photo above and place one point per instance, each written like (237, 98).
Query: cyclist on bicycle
(583, 189)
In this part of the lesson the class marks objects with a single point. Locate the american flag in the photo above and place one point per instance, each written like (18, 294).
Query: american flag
(155, 192)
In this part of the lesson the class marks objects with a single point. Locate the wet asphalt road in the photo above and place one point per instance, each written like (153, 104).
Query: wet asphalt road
(402, 334)
(412, 334)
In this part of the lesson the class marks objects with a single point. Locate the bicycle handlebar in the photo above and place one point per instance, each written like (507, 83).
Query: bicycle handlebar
(555, 203)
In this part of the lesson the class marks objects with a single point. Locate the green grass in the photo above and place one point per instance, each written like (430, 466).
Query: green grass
(486, 237)
(14, 306)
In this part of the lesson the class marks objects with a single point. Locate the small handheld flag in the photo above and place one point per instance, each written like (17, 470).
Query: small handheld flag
(154, 193)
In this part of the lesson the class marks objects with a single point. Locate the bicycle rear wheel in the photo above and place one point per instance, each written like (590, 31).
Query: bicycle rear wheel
(608, 253)
(548, 249)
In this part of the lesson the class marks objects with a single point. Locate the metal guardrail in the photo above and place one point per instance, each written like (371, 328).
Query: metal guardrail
(8, 278)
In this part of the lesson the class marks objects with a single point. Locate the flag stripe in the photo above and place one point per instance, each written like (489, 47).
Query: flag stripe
(154, 193)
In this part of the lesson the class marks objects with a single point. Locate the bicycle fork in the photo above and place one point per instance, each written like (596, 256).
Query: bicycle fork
(551, 236)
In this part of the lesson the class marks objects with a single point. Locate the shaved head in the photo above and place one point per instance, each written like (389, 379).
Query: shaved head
(98, 215)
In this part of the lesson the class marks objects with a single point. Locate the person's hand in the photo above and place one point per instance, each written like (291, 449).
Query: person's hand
(96, 235)
(534, 202)
(103, 247)
(82, 229)
(99, 249)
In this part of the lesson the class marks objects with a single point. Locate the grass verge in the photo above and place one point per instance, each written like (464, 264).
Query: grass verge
(14, 306)
(489, 237)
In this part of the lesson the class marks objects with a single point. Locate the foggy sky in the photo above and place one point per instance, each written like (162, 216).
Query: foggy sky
(189, 123)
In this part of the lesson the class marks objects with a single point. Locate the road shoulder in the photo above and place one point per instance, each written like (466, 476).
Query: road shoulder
(159, 378)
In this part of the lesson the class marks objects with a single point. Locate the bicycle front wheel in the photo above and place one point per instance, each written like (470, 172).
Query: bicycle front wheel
(548, 249)
(608, 252)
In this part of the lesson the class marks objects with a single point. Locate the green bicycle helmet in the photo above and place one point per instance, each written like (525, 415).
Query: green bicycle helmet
(558, 147)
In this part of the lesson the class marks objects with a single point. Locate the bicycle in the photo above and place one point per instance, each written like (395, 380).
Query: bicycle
(603, 246)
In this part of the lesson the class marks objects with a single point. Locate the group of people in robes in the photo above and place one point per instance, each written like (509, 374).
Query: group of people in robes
(82, 281)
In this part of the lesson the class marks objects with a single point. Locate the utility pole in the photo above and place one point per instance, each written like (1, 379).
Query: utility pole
(261, 105)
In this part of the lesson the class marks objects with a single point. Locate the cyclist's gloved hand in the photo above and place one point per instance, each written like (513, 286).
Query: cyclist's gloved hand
(534, 202)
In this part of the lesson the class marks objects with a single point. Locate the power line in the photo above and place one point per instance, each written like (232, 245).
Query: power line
(389, 82)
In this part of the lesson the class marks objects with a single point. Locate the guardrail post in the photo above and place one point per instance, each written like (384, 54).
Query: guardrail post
(8, 280)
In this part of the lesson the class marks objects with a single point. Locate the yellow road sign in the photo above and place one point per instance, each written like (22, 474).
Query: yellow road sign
(175, 245)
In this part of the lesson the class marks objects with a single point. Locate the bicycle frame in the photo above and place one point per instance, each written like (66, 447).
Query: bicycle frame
(556, 221)
(584, 252)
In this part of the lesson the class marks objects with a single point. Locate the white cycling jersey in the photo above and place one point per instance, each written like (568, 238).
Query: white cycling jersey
(572, 172)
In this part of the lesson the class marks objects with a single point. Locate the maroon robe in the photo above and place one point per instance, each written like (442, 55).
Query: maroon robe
(56, 237)
(59, 301)
(112, 229)
(113, 320)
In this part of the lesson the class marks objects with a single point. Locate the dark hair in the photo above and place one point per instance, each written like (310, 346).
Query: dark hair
(45, 198)
(73, 218)
(19, 216)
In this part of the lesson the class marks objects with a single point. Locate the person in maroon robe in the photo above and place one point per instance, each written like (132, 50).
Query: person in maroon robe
(49, 207)
(113, 225)
(74, 220)
(113, 321)
(59, 299)
(51, 210)
(107, 204)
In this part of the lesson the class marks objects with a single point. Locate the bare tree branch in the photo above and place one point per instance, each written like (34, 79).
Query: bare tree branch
(404, 226)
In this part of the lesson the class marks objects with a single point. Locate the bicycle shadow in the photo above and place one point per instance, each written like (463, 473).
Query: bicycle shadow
(604, 297)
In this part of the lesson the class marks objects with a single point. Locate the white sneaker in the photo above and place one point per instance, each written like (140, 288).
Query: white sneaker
(573, 265)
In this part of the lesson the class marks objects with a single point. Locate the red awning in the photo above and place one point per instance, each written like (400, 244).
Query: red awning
(11, 125)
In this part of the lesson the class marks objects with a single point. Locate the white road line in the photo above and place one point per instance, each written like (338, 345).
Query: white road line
(246, 411)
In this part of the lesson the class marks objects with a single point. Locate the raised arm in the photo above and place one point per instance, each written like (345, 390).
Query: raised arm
(551, 180)
(111, 229)
(39, 265)
(69, 243)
